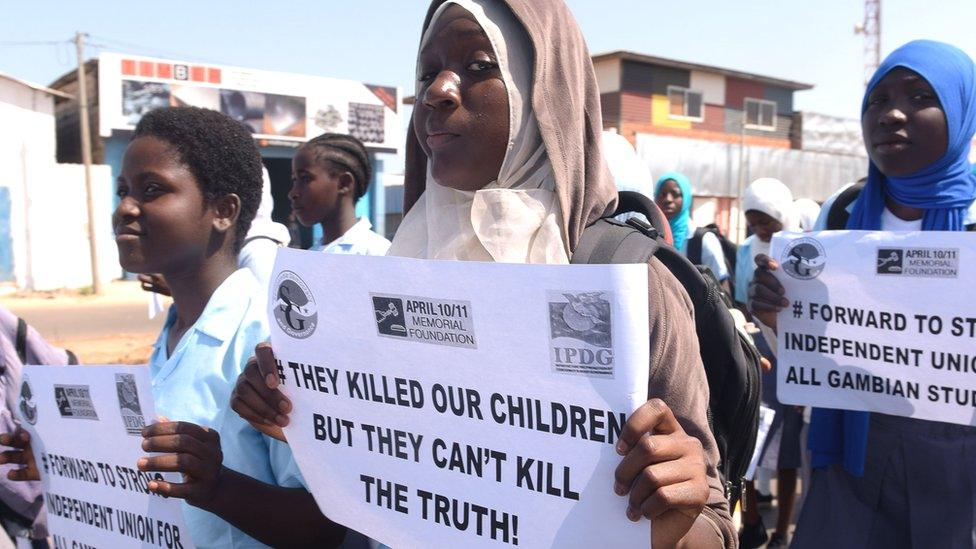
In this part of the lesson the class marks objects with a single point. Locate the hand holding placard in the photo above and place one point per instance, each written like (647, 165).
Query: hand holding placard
(186, 448)
(23, 455)
(766, 293)
(256, 396)
(663, 469)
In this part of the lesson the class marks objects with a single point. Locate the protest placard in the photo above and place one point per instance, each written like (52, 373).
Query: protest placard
(879, 321)
(86, 432)
(461, 404)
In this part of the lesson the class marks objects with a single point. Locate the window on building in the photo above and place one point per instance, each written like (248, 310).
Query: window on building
(685, 104)
(760, 114)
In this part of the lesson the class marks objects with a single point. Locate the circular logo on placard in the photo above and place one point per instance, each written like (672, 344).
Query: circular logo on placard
(28, 408)
(803, 258)
(295, 308)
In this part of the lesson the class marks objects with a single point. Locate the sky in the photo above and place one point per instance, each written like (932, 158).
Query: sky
(375, 40)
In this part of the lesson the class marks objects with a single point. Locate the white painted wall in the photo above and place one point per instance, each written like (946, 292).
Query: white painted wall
(26, 142)
(607, 75)
(49, 221)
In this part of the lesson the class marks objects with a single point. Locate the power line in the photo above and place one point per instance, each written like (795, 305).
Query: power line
(33, 42)
(109, 43)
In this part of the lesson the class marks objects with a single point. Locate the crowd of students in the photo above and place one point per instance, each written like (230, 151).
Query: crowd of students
(505, 163)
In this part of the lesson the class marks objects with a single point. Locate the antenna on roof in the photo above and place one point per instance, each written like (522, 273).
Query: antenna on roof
(871, 29)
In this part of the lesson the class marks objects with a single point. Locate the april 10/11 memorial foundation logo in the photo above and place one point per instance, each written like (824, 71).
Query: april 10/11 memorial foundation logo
(918, 262)
(294, 309)
(803, 258)
(581, 333)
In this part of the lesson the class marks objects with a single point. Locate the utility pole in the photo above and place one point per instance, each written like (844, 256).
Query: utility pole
(82, 98)
(871, 29)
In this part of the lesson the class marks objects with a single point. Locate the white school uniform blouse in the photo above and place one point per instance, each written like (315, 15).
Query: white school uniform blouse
(360, 239)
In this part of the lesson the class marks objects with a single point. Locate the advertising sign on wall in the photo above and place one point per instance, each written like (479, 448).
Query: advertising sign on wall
(279, 108)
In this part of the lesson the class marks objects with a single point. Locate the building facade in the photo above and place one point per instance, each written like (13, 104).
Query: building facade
(652, 95)
(723, 129)
(283, 110)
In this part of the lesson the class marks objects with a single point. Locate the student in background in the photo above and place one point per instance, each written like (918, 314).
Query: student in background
(263, 239)
(882, 480)
(768, 207)
(330, 173)
(673, 194)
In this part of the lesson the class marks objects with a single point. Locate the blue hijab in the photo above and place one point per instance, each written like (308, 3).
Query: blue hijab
(679, 225)
(945, 190)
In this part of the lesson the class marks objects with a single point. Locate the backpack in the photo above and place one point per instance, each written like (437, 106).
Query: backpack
(731, 361)
(838, 215)
(21, 503)
(729, 249)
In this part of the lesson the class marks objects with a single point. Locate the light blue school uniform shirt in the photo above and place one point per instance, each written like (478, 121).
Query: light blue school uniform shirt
(360, 239)
(712, 255)
(194, 385)
(745, 267)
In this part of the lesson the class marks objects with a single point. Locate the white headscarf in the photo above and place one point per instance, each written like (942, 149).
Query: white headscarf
(263, 225)
(516, 218)
(807, 211)
(773, 198)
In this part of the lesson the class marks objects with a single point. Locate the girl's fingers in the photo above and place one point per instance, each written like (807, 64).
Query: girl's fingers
(653, 416)
(765, 294)
(171, 489)
(184, 444)
(23, 474)
(649, 450)
(267, 365)
(172, 463)
(690, 495)
(13, 457)
(655, 477)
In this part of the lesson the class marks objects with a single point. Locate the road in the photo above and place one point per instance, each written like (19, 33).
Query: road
(105, 329)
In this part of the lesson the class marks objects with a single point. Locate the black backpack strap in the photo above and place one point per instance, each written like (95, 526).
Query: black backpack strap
(259, 237)
(695, 245)
(610, 241)
(20, 342)
(838, 215)
(633, 201)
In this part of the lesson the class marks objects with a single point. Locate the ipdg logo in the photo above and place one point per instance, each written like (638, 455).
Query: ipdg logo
(803, 258)
(294, 309)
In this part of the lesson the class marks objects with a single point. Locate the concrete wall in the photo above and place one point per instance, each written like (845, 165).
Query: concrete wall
(26, 142)
(48, 219)
(714, 167)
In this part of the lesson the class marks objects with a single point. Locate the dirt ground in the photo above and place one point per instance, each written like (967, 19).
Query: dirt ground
(111, 328)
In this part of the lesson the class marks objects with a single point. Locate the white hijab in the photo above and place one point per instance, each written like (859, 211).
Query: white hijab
(263, 225)
(516, 218)
(807, 211)
(773, 198)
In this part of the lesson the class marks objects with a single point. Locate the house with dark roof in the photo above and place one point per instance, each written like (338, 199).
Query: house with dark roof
(653, 95)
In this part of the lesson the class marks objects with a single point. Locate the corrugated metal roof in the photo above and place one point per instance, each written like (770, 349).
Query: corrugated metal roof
(37, 87)
(673, 63)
